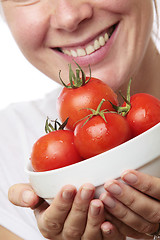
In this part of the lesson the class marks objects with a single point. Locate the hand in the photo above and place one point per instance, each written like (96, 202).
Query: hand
(135, 206)
(71, 216)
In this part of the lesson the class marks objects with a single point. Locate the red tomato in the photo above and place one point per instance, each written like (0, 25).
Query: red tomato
(54, 150)
(71, 102)
(97, 136)
(144, 113)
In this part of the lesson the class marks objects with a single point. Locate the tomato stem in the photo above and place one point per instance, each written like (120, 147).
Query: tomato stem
(124, 110)
(96, 112)
(99, 106)
(49, 127)
(75, 80)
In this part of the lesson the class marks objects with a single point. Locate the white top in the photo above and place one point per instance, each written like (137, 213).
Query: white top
(21, 125)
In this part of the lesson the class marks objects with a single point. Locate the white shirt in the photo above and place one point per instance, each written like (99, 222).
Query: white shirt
(21, 125)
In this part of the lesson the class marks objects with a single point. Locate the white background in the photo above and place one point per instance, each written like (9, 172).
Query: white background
(19, 80)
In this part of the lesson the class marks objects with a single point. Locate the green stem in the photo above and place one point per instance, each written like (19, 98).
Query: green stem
(94, 113)
(74, 79)
(49, 127)
(99, 106)
(129, 90)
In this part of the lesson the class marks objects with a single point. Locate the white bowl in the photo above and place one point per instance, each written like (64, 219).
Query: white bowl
(141, 152)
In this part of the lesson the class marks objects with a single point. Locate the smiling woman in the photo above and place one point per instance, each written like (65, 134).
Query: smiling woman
(115, 38)
(29, 83)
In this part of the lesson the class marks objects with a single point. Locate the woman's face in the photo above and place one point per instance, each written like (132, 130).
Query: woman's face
(110, 35)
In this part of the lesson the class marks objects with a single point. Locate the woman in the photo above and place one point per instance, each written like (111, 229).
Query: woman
(114, 37)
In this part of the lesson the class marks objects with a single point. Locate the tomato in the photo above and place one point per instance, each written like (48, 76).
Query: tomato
(141, 110)
(72, 102)
(144, 112)
(54, 150)
(97, 136)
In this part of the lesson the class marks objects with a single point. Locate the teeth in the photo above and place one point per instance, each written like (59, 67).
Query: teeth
(81, 52)
(90, 49)
(67, 52)
(98, 43)
(106, 37)
(73, 53)
(101, 41)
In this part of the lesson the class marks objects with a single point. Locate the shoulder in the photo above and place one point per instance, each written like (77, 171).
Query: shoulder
(21, 124)
(22, 112)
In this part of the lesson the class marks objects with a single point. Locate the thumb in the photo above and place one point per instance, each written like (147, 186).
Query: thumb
(23, 195)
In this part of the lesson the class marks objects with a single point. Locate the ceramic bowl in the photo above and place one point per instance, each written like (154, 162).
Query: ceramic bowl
(141, 152)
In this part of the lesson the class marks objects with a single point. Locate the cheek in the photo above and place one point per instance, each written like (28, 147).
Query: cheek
(28, 28)
(121, 6)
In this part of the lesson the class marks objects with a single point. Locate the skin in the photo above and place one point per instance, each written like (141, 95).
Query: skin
(80, 21)
(64, 23)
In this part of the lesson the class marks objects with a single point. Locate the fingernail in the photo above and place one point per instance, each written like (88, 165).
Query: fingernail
(106, 228)
(107, 200)
(67, 194)
(113, 188)
(95, 209)
(86, 193)
(27, 196)
(129, 177)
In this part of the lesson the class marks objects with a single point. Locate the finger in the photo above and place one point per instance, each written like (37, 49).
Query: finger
(23, 195)
(76, 220)
(95, 219)
(135, 200)
(110, 232)
(143, 182)
(125, 229)
(51, 218)
(126, 215)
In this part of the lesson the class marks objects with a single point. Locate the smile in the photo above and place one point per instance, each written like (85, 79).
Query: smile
(96, 44)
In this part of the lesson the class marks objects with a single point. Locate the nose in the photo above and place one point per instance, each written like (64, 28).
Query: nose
(68, 14)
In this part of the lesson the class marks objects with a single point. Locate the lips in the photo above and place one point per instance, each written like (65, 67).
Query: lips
(92, 51)
(94, 45)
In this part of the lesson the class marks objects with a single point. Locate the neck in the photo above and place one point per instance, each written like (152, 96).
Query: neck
(147, 77)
